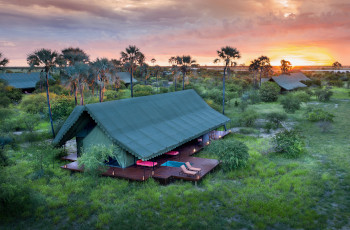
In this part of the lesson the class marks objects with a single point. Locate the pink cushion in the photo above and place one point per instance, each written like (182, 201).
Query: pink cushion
(146, 163)
(172, 153)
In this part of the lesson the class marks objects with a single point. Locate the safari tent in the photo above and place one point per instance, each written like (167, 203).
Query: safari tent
(23, 81)
(142, 127)
(290, 81)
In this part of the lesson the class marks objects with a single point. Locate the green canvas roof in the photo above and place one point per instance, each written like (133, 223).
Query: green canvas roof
(149, 126)
(291, 81)
(125, 77)
(21, 80)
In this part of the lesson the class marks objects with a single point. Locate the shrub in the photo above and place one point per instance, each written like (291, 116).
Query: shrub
(61, 107)
(93, 159)
(318, 114)
(290, 103)
(233, 154)
(323, 94)
(289, 143)
(253, 96)
(15, 194)
(276, 119)
(142, 90)
(35, 103)
(269, 91)
(248, 118)
(302, 96)
(243, 105)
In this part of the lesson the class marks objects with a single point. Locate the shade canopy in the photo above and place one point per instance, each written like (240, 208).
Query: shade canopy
(147, 126)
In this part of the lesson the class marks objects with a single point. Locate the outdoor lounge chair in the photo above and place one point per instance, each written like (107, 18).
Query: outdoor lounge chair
(187, 172)
(146, 163)
(172, 153)
(189, 166)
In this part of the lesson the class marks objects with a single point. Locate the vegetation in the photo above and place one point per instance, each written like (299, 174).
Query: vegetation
(290, 103)
(264, 182)
(232, 153)
(227, 55)
(269, 92)
(289, 143)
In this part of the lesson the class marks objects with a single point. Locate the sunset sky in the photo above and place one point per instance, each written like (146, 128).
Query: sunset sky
(313, 32)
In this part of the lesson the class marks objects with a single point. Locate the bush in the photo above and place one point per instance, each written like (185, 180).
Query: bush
(142, 90)
(248, 118)
(302, 96)
(269, 91)
(15, 194)
(290, 103)
(323, 94)
(253, 96)
(289, 143)
(61, 107)
(233, 154)
(276, 119)
(318, 114)
(34, 103)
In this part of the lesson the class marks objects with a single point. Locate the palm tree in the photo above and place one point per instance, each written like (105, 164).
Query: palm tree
(286, 66)
(156, 71)
(78, 73)
(254, 68)
(47, 59)
(70, 56)
(153, 60)
(74, 55)
(173, 62)
(185, 63)
(3, 61)
(227, 54)
(264, 66)
(103, 71)
(131, 57)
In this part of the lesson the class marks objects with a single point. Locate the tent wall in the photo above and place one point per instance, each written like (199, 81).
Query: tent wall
(96, 136)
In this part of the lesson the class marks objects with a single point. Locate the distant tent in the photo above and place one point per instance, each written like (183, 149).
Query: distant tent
(291, 81)
(125, 77)
(24, 81)
(143, 127)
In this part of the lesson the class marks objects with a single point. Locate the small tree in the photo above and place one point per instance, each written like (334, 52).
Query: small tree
(336, 65)
(93, 159)
(290, 103)
(269, 91)
(232, 153)
(289, 143)
(286, 66)
(3, 61)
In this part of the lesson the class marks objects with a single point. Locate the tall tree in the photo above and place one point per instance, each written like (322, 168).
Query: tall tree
(156, 72)
(174, 68)
(265, 67)
(46, 59)
(226, 54)
(153, 60)
(103, 70)
(336, 65)
(73, 55)
(69, 57)
(254, 68)
(131, 57)
(286, 66)
(78, 73)
(185, 63)
(3, 61)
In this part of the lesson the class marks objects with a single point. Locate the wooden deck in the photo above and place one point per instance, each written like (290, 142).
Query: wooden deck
(163, 174)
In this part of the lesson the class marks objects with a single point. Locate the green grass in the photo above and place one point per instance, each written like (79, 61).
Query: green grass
(272, 192)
